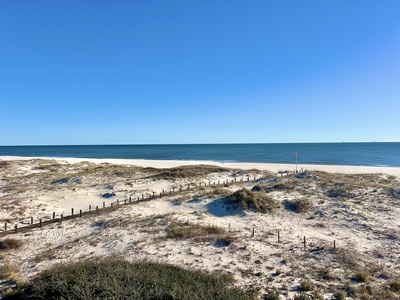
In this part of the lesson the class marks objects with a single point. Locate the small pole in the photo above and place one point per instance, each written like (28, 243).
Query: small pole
(142, 196)
(40, 222)
(163, 191)
(252, 232)
(97, 209)
(31, 220)
(54, 215)
(5, 226)
(16, 228)
(90, 207)
(248, 178)
(173, 190)
(229, 227)
(80, 212)
(72, 211)
(153, 193)
(112, 204)
(334, 245)
(62, 217)
(104, 205)
(296, 160)
(305, 244)
(130, 199)
(117, 202)
(160, 194)
(279, 237)
(138, 198)
(125, 201)
(188, 186)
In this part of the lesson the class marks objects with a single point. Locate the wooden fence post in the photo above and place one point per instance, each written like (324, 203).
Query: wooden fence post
(279, 237)
(229, 227)
(16, 228)
(305, 244)
(125, 201)
(130, 199)
(54, 215)
(90, 207)
(142, 196)
(334, 245)
(72, 211)
(117, 202)
(160, 195)
(5, 226)
(62, 217)
(112, 204)
(80, 212)
(40, 222)
(252, 232)
(104, 205)
(31, 220)
(97, 209)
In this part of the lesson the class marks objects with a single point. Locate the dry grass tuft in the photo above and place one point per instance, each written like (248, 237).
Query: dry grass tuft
(10, 244)
(257, 200)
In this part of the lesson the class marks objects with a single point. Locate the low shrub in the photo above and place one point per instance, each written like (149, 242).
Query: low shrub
(10, 244)
(339, 295)
(257, 200)
(395, 286)
(362, 276)
(307, 285)
(118, 279)
(186, 231)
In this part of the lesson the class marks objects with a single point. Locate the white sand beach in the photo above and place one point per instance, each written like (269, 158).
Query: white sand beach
(355, 209)
(160, 164)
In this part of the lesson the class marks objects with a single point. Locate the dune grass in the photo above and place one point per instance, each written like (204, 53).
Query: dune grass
(257, 200)
(118, 279)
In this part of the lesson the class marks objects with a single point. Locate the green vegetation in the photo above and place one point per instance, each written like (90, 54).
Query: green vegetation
(184, 231)
(9, 244)
(362, 276)
(187, 172)
(257, 200)
(301, 205)
(118, 279)
(395, 286)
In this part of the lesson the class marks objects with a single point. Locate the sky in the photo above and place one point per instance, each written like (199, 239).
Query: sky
(184, 72)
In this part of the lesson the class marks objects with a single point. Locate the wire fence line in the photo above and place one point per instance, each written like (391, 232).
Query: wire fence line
(29, 224)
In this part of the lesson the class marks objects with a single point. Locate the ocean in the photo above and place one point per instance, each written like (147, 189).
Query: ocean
(354, 154)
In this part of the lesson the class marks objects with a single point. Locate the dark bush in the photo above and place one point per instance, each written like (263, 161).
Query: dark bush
(258, 200)
(118, 279)
(9, 244)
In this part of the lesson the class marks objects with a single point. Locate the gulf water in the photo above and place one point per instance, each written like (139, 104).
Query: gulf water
(355, 154)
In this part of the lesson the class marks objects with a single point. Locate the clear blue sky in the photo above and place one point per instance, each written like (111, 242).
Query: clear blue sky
(156, 72)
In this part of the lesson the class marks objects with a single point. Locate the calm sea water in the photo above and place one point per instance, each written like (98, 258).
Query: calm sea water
(356, 154)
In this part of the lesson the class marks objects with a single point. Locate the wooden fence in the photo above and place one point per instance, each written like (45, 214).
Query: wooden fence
(29, 224)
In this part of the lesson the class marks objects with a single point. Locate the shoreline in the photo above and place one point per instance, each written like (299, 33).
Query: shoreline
(272, 167)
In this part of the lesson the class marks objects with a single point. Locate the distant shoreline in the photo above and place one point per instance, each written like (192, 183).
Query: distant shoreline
(160, 164)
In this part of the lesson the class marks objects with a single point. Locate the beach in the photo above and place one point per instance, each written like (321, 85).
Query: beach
(146, 163)
(348, 221)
